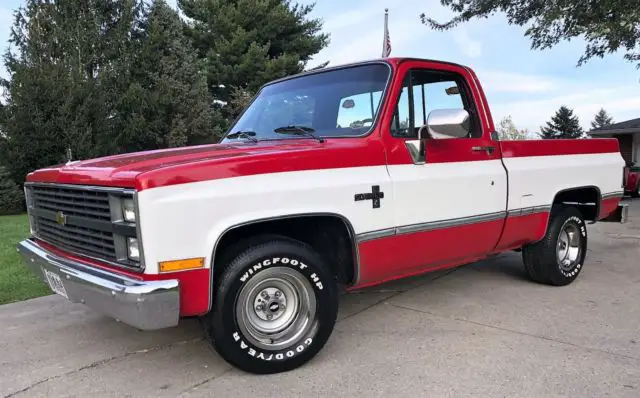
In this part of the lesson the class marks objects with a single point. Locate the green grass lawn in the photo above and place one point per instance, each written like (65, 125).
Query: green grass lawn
(16, 281)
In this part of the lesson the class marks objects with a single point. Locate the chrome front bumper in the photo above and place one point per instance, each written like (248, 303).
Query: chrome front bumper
(146, 305)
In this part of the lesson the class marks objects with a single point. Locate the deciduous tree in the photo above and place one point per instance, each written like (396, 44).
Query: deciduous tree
(507, 130)
(607, 26)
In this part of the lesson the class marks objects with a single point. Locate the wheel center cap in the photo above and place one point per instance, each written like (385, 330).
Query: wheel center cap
(274, 307)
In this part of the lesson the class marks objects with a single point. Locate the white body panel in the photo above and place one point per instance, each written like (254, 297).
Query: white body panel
(444, 191)
(185, 220)
(534, 181)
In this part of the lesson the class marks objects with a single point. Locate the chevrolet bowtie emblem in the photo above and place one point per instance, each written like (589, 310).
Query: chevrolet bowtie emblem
(61, 218)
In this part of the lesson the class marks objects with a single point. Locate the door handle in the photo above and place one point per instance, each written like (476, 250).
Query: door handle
(488, 149)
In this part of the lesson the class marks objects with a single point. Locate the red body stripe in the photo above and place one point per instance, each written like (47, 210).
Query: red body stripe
(194, 289)
(515, 149)
(520, 230)
(608, 206)
(400, 255)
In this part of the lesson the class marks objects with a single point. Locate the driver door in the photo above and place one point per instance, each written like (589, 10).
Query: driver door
(449, 207)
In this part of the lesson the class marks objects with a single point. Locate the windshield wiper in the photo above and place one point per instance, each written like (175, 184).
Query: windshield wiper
(299, 130)
(249, 135)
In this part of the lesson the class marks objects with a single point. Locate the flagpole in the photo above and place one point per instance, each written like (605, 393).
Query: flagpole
(385, 52)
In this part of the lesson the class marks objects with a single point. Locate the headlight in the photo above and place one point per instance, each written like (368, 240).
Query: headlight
(133, 250)
(128, 210)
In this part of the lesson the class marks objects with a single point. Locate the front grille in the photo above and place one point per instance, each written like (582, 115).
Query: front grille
(85, 240)
(81, 220)
(71, 201)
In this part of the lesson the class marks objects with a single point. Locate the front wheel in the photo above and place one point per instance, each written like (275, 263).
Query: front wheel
(275, 307)
(559, 257)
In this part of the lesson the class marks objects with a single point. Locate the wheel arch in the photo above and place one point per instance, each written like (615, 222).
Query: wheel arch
(587, 199)
(578, 197)
(346, 269)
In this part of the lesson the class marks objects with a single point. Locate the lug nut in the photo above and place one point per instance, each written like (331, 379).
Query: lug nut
(264, 294)
(269, 316)
(259, 307)
(283, 307)
(278, 293)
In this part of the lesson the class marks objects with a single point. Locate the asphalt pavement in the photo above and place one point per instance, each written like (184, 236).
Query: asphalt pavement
(481, 330)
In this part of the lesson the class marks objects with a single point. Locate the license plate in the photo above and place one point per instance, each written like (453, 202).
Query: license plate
(55, 283)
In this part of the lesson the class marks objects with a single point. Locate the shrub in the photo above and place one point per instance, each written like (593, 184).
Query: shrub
(11, 196)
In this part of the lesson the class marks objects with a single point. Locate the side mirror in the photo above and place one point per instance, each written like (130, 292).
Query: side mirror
(448, 123)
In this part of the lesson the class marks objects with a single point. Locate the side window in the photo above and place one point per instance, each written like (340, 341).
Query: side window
(443, 95)
(430, 90)
(357, 111)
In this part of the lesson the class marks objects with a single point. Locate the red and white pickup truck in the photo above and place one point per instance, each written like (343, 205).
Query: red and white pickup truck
(336, 178)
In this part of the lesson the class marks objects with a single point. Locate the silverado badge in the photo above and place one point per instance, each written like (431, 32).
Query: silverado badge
(374, 196)
(61, 218)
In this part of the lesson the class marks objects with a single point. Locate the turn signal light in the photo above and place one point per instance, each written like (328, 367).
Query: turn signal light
(180, 265)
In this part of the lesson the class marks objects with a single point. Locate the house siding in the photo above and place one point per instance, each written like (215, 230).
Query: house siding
(626, 146)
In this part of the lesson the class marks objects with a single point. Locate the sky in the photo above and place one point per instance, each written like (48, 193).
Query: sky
(526, 84)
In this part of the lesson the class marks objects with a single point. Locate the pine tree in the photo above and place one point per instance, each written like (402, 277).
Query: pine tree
(564, 124)
(175, 107)
(602, 119)
(68, 65)
(100, 77)
(247, 43)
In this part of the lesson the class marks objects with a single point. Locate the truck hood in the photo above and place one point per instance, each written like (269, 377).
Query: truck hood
(142, 170)
(122, 170)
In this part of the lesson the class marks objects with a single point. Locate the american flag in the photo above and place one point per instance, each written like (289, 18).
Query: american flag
(386, 44)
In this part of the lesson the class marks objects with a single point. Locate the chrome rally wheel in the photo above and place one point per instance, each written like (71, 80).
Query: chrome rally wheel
(568, 247)
(276, 307)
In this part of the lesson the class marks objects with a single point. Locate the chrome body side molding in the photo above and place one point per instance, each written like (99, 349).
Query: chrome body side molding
(430, 226)
(612, 195)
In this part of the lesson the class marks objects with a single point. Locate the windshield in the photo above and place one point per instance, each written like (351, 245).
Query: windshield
(337, 103)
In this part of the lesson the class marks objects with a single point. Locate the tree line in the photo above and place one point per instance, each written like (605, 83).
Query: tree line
(564, 124)
(102, 77)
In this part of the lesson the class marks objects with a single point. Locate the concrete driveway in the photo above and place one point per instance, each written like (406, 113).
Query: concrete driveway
(480, 330)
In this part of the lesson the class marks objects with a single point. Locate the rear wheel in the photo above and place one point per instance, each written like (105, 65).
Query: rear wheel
(275, 308)
(559, 257)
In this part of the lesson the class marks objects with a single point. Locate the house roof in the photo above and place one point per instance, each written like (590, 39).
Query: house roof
(630, 126)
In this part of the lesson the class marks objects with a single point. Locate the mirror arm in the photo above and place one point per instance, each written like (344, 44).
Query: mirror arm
(417, 148)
